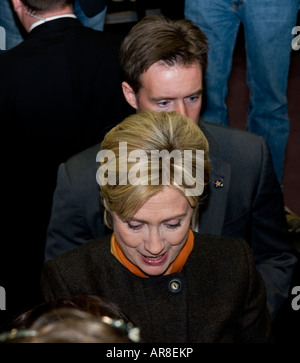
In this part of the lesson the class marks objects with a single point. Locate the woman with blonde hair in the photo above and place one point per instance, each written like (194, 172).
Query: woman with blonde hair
(176, 285)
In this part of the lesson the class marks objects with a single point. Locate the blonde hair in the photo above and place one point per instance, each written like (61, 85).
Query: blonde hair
(148, 131)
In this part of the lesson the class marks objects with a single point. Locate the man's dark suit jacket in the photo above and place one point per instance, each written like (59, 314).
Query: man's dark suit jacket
(245, 201)
(60, 91)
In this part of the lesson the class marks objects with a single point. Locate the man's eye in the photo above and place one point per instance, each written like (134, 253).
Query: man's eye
(163, 103)
(193, 99)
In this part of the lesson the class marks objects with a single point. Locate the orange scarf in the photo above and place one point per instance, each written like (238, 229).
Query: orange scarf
(176, 265)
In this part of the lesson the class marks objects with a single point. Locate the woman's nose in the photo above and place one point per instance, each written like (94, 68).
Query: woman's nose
(154, 243)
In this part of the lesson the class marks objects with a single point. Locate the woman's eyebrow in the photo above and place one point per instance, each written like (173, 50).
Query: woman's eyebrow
(163, 221)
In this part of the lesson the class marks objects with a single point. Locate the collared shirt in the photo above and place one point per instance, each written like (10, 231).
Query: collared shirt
(44, 20)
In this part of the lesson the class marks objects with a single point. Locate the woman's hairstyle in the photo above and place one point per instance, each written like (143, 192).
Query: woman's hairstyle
(72, 319)
(158, 39)
(147, 152)
(41, 6)
(69, 325)
(94, 305)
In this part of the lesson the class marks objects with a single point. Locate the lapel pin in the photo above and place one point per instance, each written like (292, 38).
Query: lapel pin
(218, 183)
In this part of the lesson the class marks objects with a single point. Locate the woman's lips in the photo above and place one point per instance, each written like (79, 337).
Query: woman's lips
(154, 260)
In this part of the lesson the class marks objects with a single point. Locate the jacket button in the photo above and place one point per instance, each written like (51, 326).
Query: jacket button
(175, 286)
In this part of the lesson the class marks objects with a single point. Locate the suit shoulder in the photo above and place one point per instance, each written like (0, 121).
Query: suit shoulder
(101, 38)
(235, 144)
(231, 133)
(84, 159)
(79, 173)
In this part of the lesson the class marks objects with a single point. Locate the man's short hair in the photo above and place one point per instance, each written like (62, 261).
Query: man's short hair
(158, 39)
(41, 6)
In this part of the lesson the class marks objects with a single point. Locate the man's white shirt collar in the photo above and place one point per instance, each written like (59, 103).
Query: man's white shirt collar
(44, 20)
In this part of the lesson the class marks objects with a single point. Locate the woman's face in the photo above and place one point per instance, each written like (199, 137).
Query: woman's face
(153, 238)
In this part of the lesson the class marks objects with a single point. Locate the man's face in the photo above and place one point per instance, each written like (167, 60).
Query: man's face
(169, 88)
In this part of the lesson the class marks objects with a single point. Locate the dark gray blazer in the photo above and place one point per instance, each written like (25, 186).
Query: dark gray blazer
(248, 205)
(220, 296)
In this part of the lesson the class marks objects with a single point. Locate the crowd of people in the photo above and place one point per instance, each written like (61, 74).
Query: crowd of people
(204, 257)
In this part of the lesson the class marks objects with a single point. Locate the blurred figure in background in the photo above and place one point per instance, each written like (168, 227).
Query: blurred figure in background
(69, 325)
(91, 304)
(267, 28)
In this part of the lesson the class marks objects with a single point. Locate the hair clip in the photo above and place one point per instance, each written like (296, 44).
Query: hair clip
(132, 332)
(15, 333)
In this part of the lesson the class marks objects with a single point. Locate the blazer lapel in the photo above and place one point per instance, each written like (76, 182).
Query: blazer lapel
(212, 212)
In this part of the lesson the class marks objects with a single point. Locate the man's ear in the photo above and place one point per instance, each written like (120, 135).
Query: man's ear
(17, 4)
(129, 95)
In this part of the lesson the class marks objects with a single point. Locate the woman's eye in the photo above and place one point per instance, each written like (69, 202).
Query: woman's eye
(173, 226)
(134, 226)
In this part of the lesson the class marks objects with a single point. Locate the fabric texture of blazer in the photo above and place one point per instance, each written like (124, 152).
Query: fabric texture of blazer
(60, 91)
(218, 297)
(245, 201)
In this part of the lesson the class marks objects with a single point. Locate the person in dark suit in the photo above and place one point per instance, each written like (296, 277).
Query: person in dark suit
(59, 94)
(174, 284)
(90, 13)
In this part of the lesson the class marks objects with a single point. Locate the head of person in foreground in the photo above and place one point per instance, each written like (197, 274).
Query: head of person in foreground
(153, 170)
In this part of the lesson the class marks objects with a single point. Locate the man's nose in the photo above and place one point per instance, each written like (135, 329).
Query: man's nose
(181, 108)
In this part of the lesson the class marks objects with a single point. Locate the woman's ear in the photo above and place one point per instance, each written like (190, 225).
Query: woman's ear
(129, 95)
